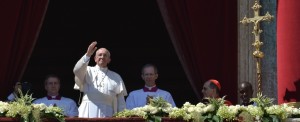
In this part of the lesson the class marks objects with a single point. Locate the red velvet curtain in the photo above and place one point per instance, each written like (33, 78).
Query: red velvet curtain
(288, 51)
(204, 34)
(20, 24)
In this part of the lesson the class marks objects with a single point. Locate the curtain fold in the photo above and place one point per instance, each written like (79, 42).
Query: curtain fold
(204, 34)
(21, 21)
(288, 58)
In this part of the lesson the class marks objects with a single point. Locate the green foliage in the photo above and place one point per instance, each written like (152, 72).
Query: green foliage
(212, 115)
(157, 109)
(24, 99)
(23, 108)
(262, 101)
(217, 102)
(158, 102)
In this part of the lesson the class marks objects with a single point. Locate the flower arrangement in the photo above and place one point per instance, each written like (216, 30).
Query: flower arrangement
(263, 110)
(157, 108)
(214, 111)
(23, 108)
(272, 112)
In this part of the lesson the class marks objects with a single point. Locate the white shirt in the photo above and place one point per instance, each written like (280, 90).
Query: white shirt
(11, 97)
(138, 98)
(103, 89)
(68, 105)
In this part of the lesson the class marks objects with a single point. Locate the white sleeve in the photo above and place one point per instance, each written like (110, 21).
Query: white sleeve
(86, 58)
(80, 71)
(121, 102)
(170, 100)
(11, 97)
(73, 112)
(129, 102)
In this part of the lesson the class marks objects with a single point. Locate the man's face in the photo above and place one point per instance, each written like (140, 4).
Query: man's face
(52, 86)
(245, 93)
(149, 76)
(207, 91)
(102, 57)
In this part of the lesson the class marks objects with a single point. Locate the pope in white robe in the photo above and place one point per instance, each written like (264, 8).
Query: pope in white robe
(103, 89)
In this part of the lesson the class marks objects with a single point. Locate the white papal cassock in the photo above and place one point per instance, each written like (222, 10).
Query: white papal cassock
(138, 98)
(103, 90)
(68, 105)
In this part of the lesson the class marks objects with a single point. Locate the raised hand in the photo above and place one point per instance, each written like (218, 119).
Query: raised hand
(91, 49)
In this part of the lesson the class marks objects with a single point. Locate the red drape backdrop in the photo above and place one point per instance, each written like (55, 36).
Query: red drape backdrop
(20, 24)
(204, 34)
(288, 51)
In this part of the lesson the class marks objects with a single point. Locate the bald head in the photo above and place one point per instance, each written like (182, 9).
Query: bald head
(246, 92)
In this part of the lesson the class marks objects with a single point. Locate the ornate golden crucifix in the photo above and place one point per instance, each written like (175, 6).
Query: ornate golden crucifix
(257, 43)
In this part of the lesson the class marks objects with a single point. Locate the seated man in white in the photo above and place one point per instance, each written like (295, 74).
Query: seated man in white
(23, 87)
(15, 93)
(140, 97)
(52, 86)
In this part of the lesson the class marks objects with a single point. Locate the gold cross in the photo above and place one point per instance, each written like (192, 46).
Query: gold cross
(256, 31)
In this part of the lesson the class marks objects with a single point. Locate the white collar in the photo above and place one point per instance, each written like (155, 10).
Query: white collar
(101, 68)
(150, 87)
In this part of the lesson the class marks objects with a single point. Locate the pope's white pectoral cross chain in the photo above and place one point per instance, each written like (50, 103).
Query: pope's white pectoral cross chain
(100, 82)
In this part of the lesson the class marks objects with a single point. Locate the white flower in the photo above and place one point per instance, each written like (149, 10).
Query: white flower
(41, 106)
(167, 109)
(200, 105)
(180, 113)
(295, 111)
(228, 112)
(191, 109)
(138, 112)
(186, 104)
(209, 108)
(168, 105)
(3, 107)
(150, 109)
(255, 111)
